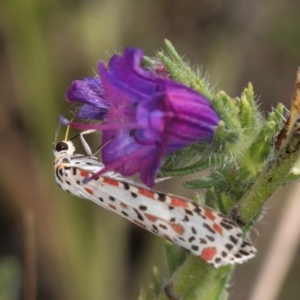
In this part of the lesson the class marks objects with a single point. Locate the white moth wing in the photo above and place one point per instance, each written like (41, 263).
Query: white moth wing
(203, 231)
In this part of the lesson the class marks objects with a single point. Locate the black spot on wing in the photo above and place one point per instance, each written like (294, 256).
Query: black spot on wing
(233, 239)
(217, 259)
(126, 186)
(186, 219)
(243, 252)
(143, 207)
(189, 212)
(224, 254)
(229, 246)
(161, 197)
(208, 228)
(195, 247)
(162, 226)
(226, 225)
(140, 217)
(211, 238)
(58, 175)
(192, 238)
(155, 228)
(197, 209)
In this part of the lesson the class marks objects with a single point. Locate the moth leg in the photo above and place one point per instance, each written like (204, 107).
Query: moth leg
(84, 143)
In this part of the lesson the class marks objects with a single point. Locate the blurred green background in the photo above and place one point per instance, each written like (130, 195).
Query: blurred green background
(75, 249)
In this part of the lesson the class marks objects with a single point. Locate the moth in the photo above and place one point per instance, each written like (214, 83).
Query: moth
(207, 233)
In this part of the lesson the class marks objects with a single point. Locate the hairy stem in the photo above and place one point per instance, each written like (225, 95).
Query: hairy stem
(270, 179)
(197, 274)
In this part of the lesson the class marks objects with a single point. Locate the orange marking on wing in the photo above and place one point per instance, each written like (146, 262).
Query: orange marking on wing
(218, 228)
(112, 206)
(84, 173)
(178, 202)
(110, 181)
(208, 213)
(178, 228)
(124, 205)
(89, 191)
(146, 193)
(150, 217)
(208, 253)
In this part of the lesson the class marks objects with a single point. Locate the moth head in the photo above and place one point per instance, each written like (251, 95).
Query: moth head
(64, 148)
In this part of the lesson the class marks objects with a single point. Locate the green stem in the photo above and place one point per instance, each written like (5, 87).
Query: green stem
(195, 272)
(270, 179)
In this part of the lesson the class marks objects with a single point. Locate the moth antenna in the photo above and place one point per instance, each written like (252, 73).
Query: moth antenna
(58, 126)
(67, 133)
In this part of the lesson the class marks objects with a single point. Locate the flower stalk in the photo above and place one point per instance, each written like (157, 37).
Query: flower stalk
(194, 277)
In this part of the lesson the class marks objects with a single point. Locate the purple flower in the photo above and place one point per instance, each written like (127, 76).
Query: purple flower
(144, 116)
(90, 92)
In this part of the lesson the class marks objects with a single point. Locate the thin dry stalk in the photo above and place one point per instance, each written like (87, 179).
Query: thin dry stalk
(281, 251)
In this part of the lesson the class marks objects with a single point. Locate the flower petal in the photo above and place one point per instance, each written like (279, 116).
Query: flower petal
(145, 116)
(90, 92)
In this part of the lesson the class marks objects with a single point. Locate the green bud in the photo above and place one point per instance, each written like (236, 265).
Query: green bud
(175, 256)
